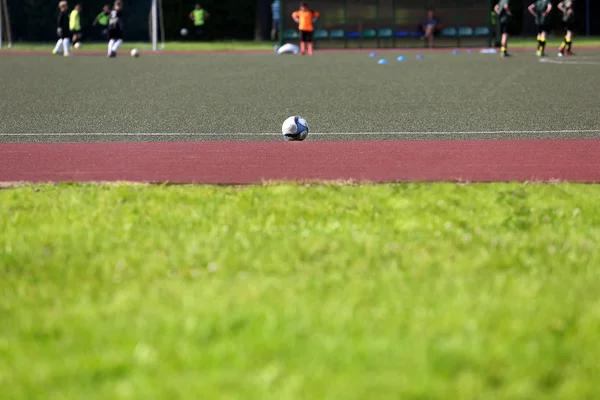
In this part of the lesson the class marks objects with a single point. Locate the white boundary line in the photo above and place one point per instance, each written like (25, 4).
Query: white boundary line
(569, 62)
(407, 133)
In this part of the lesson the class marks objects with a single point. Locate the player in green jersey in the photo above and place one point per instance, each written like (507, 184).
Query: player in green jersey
(566, 7)
(504, 16)
(540, 9)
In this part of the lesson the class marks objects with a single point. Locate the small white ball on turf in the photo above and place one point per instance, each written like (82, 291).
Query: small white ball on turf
(135, 53)
(294, 129)
(183, 32)
(77, 45)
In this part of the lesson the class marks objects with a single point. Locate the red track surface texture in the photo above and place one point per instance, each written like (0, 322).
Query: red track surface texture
(253, 162)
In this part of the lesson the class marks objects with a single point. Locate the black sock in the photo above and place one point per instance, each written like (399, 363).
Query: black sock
(568, 44)
(539, 44)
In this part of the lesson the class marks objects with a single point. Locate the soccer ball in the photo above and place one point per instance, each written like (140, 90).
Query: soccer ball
(294, 128)
(135, 53)
(183, 32)
(77, 45)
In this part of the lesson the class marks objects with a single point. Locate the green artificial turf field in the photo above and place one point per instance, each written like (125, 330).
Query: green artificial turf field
(428, 291)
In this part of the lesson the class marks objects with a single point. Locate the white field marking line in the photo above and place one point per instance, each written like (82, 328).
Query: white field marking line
(408, 133)
(569, 62)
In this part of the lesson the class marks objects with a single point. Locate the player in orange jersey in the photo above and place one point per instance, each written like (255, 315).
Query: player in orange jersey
(305, 17)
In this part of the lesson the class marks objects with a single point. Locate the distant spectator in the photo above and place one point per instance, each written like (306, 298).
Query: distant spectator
(431, 26)
(276, 16)
(102, 20)
(199, 16)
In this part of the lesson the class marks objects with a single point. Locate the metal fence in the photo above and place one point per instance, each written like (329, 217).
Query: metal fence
(393, 23)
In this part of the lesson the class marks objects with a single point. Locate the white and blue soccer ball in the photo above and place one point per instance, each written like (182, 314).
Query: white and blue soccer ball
(294, 129)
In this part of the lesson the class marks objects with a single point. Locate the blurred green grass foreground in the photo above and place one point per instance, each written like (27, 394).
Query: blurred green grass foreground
(428, 291)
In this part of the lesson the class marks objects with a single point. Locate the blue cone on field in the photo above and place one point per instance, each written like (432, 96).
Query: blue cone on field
(468, 51)
(400, 58)
(419, 57)
(455, 52)
(372, 55)
(382, 61)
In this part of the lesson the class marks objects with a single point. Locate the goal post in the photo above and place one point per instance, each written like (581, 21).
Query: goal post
(157, 26)
(5, 28)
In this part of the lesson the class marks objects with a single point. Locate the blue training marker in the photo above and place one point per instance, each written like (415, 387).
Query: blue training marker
(382, 61)
(455, 52)
(372, 55)
(400, 58)
(468, 51)
(419, 57)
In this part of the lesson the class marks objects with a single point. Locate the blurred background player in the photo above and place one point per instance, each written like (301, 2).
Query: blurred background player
(566, 7)
(199, 16)
(305, 17)
(102, 20)
(275, 18)
(115, 30)
(504, 14)
(75, 24)
(431, 26)
(540, 9)
(62, 30)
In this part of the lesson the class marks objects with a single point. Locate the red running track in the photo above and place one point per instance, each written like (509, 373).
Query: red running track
(254, 162)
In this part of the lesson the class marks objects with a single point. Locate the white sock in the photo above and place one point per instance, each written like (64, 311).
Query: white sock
(58, 45)
(66, 44)
(117, 45)
(111, 43)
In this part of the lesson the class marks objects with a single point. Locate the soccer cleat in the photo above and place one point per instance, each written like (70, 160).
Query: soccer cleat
(112, 54)
(56, 52)
(67, 54)
(561, 54)
(570, 53)
(505, 55)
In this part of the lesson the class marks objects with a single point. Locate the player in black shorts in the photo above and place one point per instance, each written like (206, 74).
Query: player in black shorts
(504, 14)
(540, 9)
(305, 18)
(566, 7)
(115, 30)
(62, 30)
(306, 36)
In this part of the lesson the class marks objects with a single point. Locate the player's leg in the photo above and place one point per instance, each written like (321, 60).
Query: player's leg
(543, 41)
(504, 40)
(302, 42)
(309, 40)
(116, 45)
(569, 39)
(274, 26)
(539, 40)
(111, 43)
(66, 46)
(563, 45)
(58, 47)
(429, 34)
